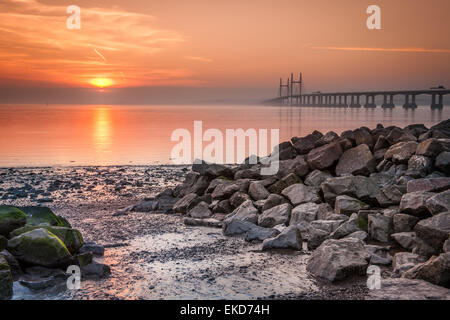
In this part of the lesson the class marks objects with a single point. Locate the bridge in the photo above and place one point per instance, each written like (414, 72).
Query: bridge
(291, 94)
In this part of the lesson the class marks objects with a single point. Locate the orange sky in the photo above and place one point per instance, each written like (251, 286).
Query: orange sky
(228, 43)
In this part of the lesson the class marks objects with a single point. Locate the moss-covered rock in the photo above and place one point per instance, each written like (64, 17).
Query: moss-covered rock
(3, 243)
(11, 218)
(64, 222)
(72, 238)
(6, 282)
(43, 216)
(83, 259)
(39, 247)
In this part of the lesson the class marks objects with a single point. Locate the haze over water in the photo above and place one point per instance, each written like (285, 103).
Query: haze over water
(38, 135)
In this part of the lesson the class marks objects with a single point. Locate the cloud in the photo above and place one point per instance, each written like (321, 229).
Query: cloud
(406, 50)
(35, 44)
(200, 59)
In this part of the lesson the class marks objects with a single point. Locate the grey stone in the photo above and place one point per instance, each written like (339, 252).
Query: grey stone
(95, 249)
(348, 205)
(181, 205)
(238, 198)
(361, 235)
(289, 238)
(404, 222)
(337, 259)
(348, 227)
(257, 191)
(408, 289)
(432, 147)
(379, 255)
(284, 182)
(324, 157)
(429, 184)
(306, 144)
(401, 152)
(95, 270)
(403, 261)
(316, 237)
(298, 166)
(200, 211)
(273, 200)
(260, 234)
(299, 193)
(326, 225)
(436, 270)
(380, 227)
(245, 212)
(356, 161)
(414, 203)
(316, 177)
(443, 162)
(212, 169)
(304, 212)
(275, 216)
(435, 230)
(439, 203)
(360, 187)
(419, 166)
(235, 227)
(406, 239)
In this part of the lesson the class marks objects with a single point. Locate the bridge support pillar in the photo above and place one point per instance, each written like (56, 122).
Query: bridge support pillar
(440, 103)
(387, 104)
(412, 104)
(370, 102)
(353, 103)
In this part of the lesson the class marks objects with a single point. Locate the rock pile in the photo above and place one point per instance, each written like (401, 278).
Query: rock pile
(388, 186)
(37, 246)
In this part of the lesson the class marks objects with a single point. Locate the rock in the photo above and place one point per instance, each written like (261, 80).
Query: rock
(147, 206)
(284, 182)
(316, 177)
(94, 248)
(403, 261)
(407, 289)
(397, 135)
(360, 235)
(443, 162)
(348, 205)
(326, 225)
(95, 270)
(251, 173)
(435, 230)
(436, 270)
(390, 195)
(222, 206)
(424, 249)
(404, 222)
(356, 161)
(324, 157)
(345, 143)
(362, 188)
(419, 166)
(3, 243)
(185, 188)
(406, 239)
(379, 255)
(273, 200)
(380, 227)
(326, 139)
(316, 238)
(165, 201)
(289, 238)
(11, 218)
(200, 185)
(71, 238)
(260, 234)
(298, 166)
(83, 259)
(379, 155)
(363, 136)
(348, 227)
(416, 129)
(257, 191)
(432, 147)
(446, 247)
(245, 212)
(429, 185)
(39, 247)
(212, 170)
(439, 203)
(338, 259)
(414, 203)
(284, 151)
(38, 216)
(225, 190)
(200, 211)
(401, 152)
(6, 281)
(275, 216)
(304, 212)
(235, 227)
(306, 144)
(382, 143)
(210, 222)
(238, 198)
(299, 193)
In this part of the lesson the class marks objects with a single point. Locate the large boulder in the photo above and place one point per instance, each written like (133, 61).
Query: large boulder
(6, 280)
(316, 177)
(316, 237)
(284, 151)
(181, 206)
(298, 165)
(245, 212)
(72, 238)
(360, 187)
(348, 227)
(404, 222)
(363, 136)
(379, 255)
(326, 225)
(401, 152)
(432, 147)
(257, 191)
(414, 203)
(284, 182)
(238, 198)
(273, 200)
(324, 157)
(299, 193)
(434, 230)
(429, 184)
(235, 227)
(436, 270)
(11, 218)
(200, 211)
(348, 205)
(439, 203)
(306, 144)
(39, 247)
(356, 161)
(326, 139)
(380, 227)
(405, 239)
(443, 162)
(390, 195)
(275, 216)
(42, 216)
(337, 259)
(403, 261)
(212, 170)
(408, 289)
(225, 190)
(258, 233)
(419, 166)
(289, 238)
(306, 212)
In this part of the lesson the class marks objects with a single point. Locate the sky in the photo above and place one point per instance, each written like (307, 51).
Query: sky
(175, 51)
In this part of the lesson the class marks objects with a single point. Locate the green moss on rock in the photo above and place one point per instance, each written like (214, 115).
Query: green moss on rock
(42, 216)
(3, 243)
(6, 285)
(72, 238)
(39, 247)
(11, 218)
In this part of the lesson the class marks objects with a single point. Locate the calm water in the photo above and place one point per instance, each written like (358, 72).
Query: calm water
(32, 135)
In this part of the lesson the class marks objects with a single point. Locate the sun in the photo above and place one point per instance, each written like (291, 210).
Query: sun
(101, 82)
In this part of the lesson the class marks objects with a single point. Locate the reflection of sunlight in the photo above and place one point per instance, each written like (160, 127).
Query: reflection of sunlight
(102, 130)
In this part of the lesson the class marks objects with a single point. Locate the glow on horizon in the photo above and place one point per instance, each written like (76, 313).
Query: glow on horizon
(101, 82)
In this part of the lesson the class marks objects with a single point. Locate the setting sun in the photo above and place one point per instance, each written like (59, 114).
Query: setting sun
(101, 82)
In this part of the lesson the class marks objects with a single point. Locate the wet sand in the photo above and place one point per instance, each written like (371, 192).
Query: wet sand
(155, 256)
